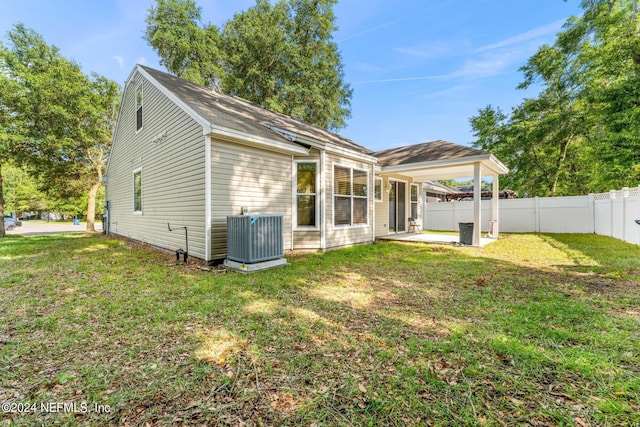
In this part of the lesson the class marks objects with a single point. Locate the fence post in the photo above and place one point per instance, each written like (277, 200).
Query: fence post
(612, 196)
(592, 212)
(625, 195)
(638, 211)
(537, 214)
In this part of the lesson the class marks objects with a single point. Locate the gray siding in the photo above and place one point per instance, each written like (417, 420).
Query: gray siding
(246, 176)
(337, 236)
(382, 211)
(173, 172)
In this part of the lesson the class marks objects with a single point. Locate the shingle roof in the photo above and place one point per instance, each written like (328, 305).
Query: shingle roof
(425, 152)
(241, 115)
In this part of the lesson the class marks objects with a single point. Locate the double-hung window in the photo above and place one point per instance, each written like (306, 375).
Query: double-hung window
(137, 192)
(414, 201)
(139, 108)
(306, 195)
(350, 196)
(377, 190)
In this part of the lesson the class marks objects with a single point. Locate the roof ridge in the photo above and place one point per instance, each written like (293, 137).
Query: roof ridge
(298, 124)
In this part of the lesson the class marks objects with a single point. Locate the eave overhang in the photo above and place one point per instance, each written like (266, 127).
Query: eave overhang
(448, 168)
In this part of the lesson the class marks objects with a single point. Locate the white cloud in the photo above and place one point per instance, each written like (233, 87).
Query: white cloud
(449, 91)
(486, 67)
(369, 30)
(120, 61)
(369, 68)
(488, 61)
(142, 61)
(434, 49)
(545, 30)
(399, 79)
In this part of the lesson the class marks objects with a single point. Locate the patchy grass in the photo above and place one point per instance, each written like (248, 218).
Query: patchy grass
(537, 330)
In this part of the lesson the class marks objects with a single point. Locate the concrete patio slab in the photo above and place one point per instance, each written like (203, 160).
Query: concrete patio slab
(431, 238)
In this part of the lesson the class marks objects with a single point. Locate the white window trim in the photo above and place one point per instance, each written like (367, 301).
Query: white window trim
(141, 88)
(333, 197)
(133, 186)
(297, 227)
(376, 179)
(417, 202)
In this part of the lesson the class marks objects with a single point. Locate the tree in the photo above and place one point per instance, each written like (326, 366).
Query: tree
(184, 47)
(58, 120)
(582, 132)
(280, 56)
(8, 89)
(22, 193)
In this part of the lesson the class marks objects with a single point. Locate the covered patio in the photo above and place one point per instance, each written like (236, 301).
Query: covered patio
(445, 160)
(432, 238)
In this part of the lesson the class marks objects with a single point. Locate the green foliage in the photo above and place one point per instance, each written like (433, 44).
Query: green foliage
(54, 118)
(21, 192)
(530, 330)
(280, 55)
(582, 132)
(185, 48)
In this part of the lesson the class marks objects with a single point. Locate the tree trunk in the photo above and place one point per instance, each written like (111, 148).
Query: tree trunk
(2, 230)
(559, 163)
(91, 207)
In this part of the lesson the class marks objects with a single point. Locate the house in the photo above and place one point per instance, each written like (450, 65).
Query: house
(436, 192)
(188, 156)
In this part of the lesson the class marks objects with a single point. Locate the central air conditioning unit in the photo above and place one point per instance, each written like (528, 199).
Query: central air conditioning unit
(254, 242)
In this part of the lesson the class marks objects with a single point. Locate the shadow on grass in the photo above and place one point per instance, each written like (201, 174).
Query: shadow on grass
(409, 314)
(394, 334)
(599, 254)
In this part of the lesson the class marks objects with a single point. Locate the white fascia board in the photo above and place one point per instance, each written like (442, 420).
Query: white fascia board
(334, 149)
(502, 168)
(117, 126)
(190, 111)
(488, 160)
(354, 155)
(256, 141)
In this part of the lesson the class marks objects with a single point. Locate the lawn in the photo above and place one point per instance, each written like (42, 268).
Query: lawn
(538, 330)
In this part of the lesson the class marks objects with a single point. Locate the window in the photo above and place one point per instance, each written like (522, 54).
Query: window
(137, 191)
(139, 108)
(414, 201)
(350, 196)
(377, 190)
(306, 195)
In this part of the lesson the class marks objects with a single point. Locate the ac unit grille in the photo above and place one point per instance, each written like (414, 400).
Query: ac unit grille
(254, 238)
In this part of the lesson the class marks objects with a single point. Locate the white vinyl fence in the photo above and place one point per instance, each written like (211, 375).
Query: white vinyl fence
(609, 214)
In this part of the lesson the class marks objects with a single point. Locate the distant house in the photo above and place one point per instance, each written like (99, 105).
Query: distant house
(437, 192)
(186, 155)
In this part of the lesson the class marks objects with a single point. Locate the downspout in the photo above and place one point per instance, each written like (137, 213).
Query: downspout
(106, 219)
(107, 205)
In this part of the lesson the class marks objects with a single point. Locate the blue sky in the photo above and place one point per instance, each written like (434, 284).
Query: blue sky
(419, 69)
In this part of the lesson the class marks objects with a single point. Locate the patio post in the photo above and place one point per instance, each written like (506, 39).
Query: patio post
(495, 213)
(477, 199)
